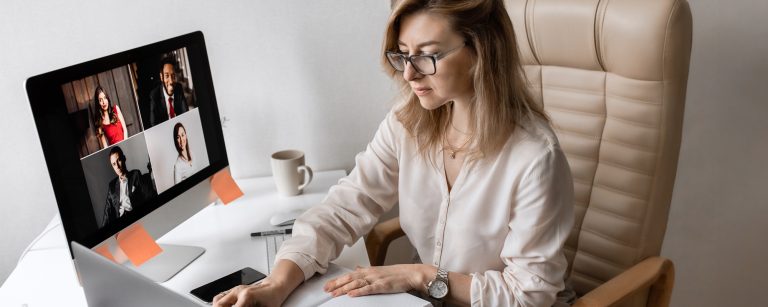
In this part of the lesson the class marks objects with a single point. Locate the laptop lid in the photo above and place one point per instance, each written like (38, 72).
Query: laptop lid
(109, 284)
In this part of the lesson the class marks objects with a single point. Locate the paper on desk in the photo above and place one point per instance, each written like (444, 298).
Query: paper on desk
(397, 299)
(225, 187)
(311, 294)
(137, 244)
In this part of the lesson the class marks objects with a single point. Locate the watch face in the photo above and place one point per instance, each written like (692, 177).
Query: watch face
(438, 289)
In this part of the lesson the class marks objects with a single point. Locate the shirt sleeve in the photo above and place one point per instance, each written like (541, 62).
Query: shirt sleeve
(541, 220)
(351, 208)
(176, 172)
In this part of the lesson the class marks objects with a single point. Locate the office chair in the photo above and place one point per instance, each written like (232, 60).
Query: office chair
(612, 76)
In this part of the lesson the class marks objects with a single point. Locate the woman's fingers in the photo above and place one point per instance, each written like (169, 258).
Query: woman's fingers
(227, 298)
(366, 290)
(352, 285)
(336, 283)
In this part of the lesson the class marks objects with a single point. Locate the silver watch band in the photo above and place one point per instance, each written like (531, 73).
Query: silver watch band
(442, 274)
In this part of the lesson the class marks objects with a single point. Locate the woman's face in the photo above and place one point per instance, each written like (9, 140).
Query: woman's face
(425, 33)
(181, 138)
(103, 101)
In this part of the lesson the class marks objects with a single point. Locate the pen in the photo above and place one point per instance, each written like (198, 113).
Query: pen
(271, 232)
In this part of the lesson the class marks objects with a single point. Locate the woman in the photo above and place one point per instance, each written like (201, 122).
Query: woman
(108, 120)
(484, 189)
(183, 167)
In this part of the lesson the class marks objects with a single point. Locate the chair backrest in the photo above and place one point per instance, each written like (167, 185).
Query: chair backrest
(612, 75)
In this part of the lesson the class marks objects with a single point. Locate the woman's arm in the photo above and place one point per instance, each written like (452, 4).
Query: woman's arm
(102, 137)
(122, 121)
(542, 218)
(399, 278)
(352, 207)
(176, 173)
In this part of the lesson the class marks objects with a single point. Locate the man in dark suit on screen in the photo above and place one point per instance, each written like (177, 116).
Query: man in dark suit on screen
(167, 99)
(126, 192)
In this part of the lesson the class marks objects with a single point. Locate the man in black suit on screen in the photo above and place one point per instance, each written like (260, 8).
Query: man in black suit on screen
(126, 192)
(167, 99)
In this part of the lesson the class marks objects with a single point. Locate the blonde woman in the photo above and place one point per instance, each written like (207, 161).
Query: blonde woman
(484, 189)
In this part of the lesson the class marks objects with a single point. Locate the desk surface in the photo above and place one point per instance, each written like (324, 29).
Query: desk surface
(46, 275)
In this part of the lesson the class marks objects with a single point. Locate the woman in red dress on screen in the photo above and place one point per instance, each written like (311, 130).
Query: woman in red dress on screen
(109, 122)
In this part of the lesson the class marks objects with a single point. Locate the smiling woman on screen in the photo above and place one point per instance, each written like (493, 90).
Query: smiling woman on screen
(183, 166)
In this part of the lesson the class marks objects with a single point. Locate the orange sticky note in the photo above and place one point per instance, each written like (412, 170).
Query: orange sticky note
(225, 187)
(137, 244)
(104, 251)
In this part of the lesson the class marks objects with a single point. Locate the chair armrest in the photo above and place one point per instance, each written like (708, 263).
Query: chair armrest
(655, 272)
(379, 238)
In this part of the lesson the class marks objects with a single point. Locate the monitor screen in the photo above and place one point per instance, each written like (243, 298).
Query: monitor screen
(125, 134)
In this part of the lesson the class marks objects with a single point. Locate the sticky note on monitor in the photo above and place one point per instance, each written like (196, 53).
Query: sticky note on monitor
(137, 244)
(225, 187)
(104, 251)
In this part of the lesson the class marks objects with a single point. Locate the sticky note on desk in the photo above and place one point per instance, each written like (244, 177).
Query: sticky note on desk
(137, 244)
(225, 187)
(104, 251)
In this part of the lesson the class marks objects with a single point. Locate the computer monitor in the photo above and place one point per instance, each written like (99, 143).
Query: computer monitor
(132, 137)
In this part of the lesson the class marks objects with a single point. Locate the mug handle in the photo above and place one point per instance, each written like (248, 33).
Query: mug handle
(307, 176)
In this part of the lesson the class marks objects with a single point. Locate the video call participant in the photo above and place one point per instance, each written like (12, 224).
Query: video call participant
(167, 99)
(183, 168)
(108, 119)
(484, 189)
(126, 192)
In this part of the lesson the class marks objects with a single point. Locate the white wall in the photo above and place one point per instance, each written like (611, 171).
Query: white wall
(717, 227)
(288, 74)
(282, 81)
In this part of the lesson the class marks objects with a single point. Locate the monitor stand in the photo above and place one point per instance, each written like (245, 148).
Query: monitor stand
(165, 265)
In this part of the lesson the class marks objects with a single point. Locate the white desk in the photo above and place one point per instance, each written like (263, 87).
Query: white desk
(46, 275)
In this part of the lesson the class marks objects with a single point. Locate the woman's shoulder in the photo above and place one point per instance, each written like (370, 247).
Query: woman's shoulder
(540, 129)
(533, 137)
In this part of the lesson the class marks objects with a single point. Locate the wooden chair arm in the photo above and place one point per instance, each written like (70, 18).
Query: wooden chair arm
(655, 272)
(379, 238)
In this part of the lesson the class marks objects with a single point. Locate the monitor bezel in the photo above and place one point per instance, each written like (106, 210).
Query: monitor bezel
(64, 167)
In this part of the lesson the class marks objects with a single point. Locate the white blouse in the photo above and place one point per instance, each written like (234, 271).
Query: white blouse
(182, 169)
(504, 221)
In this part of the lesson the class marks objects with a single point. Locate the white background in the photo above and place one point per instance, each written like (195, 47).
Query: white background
(306, 75)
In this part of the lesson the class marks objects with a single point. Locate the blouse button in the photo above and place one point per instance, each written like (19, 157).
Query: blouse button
(536, 279)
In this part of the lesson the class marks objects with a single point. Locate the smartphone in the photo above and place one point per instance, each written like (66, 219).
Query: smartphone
(245, 276)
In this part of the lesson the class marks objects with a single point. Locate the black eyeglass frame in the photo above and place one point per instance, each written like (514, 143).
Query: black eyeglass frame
(409, 58)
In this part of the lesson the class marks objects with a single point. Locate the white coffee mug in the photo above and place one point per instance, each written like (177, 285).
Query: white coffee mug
(287, 169)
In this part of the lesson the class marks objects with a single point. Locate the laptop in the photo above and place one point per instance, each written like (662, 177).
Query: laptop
(109, 284)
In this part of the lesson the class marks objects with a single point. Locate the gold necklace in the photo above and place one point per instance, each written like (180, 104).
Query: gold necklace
(454, 150)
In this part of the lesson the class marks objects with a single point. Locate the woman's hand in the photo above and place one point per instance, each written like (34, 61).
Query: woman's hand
(265, 293)
(382, 279)
(271, 291)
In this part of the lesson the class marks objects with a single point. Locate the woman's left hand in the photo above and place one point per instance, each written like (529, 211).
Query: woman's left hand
(375, 280)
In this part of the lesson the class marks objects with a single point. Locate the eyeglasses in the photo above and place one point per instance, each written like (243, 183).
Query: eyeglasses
(424, 64)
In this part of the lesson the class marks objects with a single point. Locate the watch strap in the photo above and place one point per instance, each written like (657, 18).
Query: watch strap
(442, 274)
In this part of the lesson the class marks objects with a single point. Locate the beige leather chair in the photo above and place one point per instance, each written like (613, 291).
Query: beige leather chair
(612, 75)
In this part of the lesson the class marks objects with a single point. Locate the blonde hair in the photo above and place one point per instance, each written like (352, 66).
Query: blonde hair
(501, 101)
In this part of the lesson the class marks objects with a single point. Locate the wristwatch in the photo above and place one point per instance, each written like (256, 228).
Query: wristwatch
(438, 287)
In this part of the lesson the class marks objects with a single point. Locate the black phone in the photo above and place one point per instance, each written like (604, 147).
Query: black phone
(246, 276)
